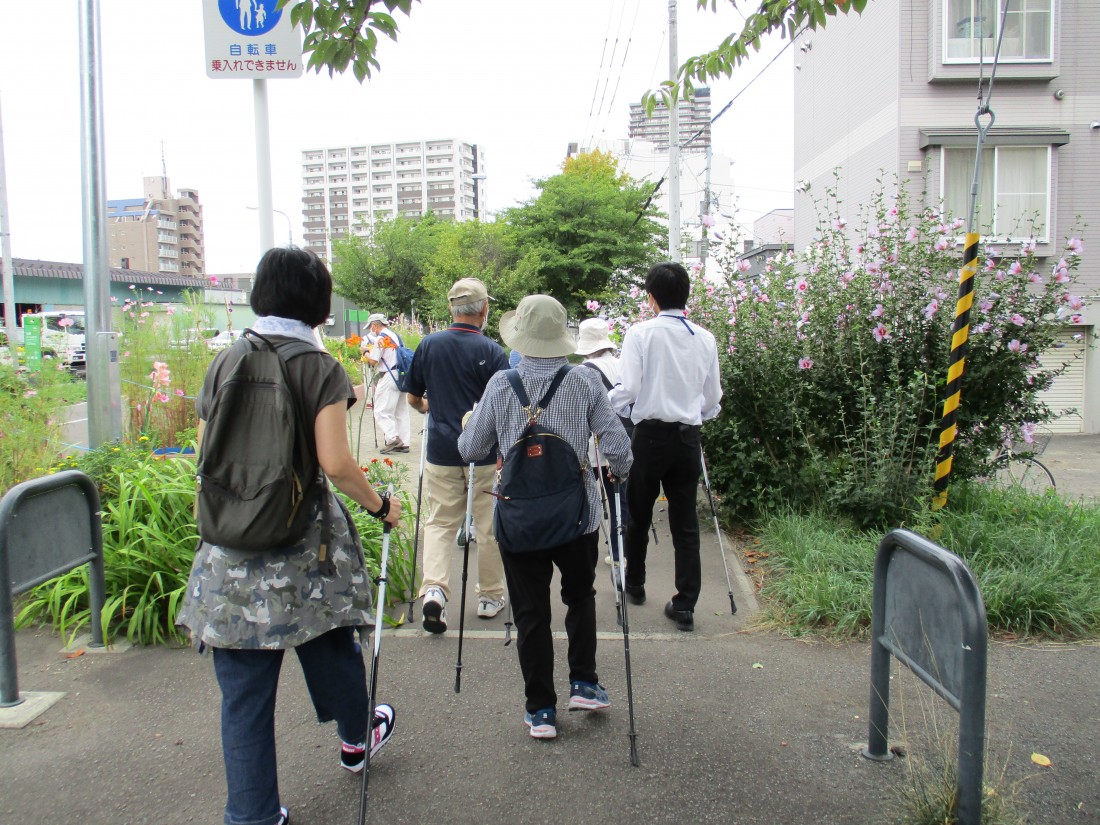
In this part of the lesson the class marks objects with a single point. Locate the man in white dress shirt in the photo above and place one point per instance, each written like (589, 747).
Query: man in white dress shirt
(669, 384)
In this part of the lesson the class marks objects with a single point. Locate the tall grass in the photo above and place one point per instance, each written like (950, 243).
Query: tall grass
(30, 424)
(1035, 558)
(149, 541)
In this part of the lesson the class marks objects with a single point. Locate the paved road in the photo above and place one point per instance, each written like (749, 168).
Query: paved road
(736, 725)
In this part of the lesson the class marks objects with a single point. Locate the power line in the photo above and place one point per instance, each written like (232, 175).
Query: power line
(599, 71)
(622, 66)
(745, 88)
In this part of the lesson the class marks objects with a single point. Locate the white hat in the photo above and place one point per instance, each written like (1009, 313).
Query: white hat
(377, 316)
(537, 328)
(594, 336)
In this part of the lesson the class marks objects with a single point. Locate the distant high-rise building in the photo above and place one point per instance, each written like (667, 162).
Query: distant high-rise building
(158, 232)
(347, 188)
(694, 123)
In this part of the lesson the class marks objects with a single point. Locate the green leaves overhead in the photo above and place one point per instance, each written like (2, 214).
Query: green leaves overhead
(342, 33)
(788, 17)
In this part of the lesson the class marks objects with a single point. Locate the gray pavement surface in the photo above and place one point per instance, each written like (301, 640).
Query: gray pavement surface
(735, 724)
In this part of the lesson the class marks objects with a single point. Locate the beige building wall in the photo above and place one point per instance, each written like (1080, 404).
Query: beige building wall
(158, 232)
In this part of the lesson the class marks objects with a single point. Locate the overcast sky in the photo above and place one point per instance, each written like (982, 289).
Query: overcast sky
(519, 77)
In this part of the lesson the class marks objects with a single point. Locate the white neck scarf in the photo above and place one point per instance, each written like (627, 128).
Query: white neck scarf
(288, 327)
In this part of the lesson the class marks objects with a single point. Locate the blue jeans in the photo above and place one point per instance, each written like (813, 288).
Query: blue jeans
(337, 682)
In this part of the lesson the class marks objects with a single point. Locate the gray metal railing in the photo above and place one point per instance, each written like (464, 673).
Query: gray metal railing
(48, 526)
(928, 613)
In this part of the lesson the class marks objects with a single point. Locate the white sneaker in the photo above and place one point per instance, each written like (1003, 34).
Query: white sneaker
(487, 608)
(460, 536)
(435, 610)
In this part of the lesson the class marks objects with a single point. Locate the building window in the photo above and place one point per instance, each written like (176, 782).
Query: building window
(971, 29)
(1013, 191)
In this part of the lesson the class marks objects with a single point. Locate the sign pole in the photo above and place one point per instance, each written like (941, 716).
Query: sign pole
(104, 388)
(263, 166)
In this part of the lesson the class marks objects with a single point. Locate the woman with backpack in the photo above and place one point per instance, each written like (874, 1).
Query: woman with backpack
(310, 594)
(543, 413)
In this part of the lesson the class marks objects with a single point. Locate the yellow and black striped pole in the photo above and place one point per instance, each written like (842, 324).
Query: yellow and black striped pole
(960, 332)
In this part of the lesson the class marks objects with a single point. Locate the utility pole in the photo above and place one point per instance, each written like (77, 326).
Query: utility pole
(673, 143)
(104, 388)
(5, 252)
(705, 210)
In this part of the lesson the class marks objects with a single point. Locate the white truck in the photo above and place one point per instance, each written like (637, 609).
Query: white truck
(63, 336)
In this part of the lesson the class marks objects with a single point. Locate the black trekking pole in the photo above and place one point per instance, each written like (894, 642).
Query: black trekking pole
(372, 687)
(413, 590)
(607, 533)
(620, 562)
(717, 529)
(508, 618)
(466, 530)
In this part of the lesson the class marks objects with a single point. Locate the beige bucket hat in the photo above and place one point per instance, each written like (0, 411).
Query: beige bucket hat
(537, 328)
(594, 335)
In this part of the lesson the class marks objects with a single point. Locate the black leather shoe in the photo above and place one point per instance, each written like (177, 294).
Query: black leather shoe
(635, 592)
(685, 619)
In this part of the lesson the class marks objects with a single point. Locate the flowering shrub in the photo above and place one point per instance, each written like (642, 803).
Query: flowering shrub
(834, 361)
(163, 359)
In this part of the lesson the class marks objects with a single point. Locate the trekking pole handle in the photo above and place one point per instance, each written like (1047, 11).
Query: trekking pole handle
(386, 526)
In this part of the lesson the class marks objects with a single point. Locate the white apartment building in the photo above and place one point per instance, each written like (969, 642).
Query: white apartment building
(346, 189)
(894, 91)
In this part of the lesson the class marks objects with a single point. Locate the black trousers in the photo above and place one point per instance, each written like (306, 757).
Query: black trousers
(529, 576)
(665, 455)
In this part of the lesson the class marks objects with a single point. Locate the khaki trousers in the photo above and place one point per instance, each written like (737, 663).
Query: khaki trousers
(445, 508)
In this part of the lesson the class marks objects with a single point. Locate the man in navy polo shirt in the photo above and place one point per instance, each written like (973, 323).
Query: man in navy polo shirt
(450, 372)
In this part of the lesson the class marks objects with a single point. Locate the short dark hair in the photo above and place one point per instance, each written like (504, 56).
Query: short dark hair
(292, 283)
(669, 284)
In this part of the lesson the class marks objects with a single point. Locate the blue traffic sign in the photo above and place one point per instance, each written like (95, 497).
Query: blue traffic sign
(251, 18)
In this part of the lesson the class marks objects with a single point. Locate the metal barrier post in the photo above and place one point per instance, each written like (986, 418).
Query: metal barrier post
(48, 526)
(927, 612)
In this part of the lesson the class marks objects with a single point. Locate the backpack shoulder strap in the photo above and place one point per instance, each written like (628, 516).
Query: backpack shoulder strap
(285, 349)
(525, 402)
(603, 376)
(517, 387)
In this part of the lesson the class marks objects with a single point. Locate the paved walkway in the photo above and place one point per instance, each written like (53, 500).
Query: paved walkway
(735, 725)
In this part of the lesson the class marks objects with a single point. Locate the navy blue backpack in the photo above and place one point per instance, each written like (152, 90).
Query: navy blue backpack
(542, 501)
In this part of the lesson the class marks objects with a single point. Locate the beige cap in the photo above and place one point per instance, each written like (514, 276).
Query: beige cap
(537, 328)
(377, 316)
(467, 291)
